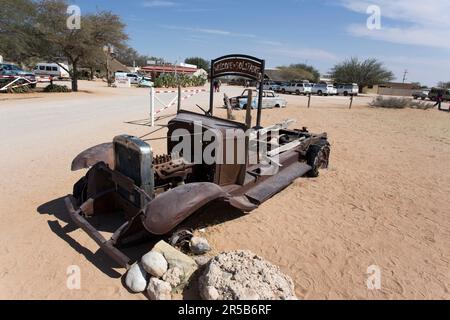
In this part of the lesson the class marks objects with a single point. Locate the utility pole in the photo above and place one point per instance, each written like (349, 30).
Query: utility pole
(404, 76)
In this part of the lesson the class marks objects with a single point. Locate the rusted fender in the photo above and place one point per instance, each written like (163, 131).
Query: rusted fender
(172, 207)
(101, 153)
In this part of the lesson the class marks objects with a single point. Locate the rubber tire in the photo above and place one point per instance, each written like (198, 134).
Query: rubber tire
(312, 156)
(345, 93)
(319, 93)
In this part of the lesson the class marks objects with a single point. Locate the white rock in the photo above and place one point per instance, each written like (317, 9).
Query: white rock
(174, 276)
(202, 260)
(159, 290)
(135, 279)
(210, 293)
(242, 275)
(154, 263)
(199, 245)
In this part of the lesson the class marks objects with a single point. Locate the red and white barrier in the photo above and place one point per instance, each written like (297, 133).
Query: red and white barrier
(173, 102)
(183, 91)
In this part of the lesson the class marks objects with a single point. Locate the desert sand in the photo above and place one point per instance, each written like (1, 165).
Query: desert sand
(384, 200)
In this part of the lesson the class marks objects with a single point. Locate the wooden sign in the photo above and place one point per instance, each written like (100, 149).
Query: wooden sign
(240, 66)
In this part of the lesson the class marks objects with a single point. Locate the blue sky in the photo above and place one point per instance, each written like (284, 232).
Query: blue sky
(415, 34)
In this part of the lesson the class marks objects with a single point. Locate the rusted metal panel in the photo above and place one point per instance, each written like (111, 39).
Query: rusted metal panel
(101, 153)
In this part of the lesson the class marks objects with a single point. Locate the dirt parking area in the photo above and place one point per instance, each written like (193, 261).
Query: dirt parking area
(383, 202)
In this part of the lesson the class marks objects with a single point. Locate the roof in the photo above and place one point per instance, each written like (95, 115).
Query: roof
(398, 85)
(168, 68)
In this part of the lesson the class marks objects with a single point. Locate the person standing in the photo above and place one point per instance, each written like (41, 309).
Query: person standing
(439, 99)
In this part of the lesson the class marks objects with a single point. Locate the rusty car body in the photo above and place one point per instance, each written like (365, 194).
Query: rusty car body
(155, 194)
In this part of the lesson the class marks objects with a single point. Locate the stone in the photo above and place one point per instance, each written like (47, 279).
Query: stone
(202, 260)
(174, 276)
(242, 275)
(136, 278)
(154, 263)
(177, 259)
(159, 290)
(199, 245)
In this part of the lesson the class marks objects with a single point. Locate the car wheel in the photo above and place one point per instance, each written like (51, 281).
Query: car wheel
(423, 98)
(297, 92)
(318, 157)
(277, 106)
(345, 93)
(319, 93)
(283, 91)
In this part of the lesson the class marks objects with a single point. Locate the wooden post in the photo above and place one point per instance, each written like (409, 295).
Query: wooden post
(152, 106)
(226, 100)
(179, 99)
(248, 115)
(351, 101)
(309, 100)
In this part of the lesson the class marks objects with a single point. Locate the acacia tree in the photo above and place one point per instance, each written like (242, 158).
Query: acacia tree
(445, 85)
(130, 56)
(56, 40)
(17, 20)
(299, 72)
(199, 62)
(366, 73)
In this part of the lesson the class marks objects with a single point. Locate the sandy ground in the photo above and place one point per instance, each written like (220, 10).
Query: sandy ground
(384, 200)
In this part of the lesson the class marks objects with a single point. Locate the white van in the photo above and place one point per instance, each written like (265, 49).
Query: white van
(52, 69)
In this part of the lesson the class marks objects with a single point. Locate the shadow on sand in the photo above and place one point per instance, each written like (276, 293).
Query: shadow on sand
(213, 214)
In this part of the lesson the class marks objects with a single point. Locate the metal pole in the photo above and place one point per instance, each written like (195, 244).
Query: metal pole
(351, 101)
(179, 98)
(260, 99)
(309, 100)
(152, 106)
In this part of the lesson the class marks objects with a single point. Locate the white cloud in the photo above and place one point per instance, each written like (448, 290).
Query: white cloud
(159, 3)
(416, 22)
(209, 31)
(304, 53)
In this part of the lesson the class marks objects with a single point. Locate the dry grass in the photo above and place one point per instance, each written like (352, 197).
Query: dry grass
(399, 103)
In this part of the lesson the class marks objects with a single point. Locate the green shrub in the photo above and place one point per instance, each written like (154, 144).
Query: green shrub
(169, 80)
(399, 103)
(56, 88)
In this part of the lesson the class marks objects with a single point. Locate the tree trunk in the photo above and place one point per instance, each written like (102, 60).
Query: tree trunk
(74, 76)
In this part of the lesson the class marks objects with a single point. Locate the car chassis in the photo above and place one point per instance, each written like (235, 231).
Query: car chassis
(156, 194)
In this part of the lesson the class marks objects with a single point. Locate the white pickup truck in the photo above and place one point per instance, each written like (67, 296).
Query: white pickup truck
(348, 89)
(324, 89)
(297, 88)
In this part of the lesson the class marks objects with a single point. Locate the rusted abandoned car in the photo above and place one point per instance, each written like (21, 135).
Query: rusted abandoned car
(155, 194)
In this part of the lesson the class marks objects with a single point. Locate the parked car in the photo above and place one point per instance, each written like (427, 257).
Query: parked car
(348, 89)
(271, 85)
(53, 70)
(9, 69)
(297, 88)
(134, 78)
(270, 100)
(324, 89)
(146, 82)
(434, 92)
(421, 94)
